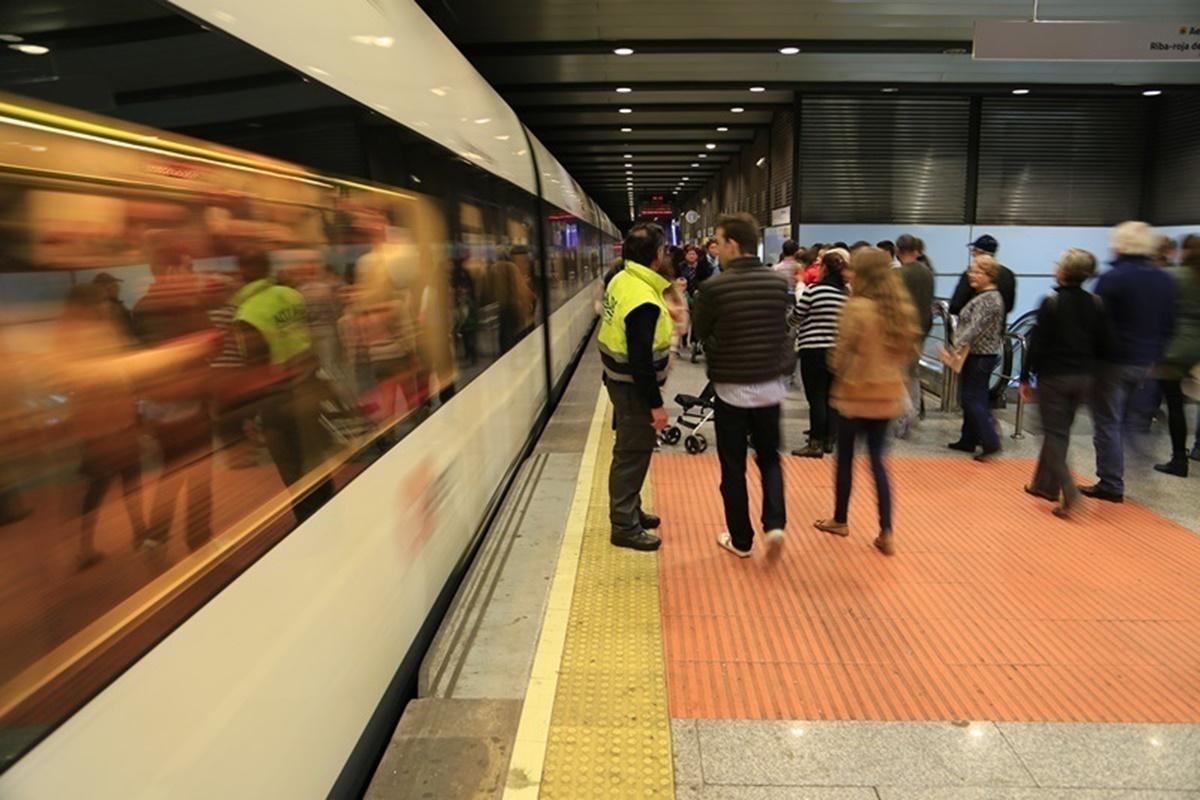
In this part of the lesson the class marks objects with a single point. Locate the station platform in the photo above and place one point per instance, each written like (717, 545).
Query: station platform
(1001, 653)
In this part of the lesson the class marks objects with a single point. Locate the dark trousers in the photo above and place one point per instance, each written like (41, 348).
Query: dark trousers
(814, 371)
(1059, 399)
(1113, 415)
(632, 449)
(875, 431)
(978, 427)
(1172, 392)
(761, 425)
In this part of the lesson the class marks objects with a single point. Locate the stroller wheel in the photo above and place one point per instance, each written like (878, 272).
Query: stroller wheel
(702, 442)
(695, 444)
(672, 435)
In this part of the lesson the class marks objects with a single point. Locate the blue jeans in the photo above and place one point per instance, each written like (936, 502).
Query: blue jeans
(978, 427)
(875, 430)
(1113, 409)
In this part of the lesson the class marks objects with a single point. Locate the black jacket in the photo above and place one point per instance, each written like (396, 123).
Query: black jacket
(1072, 335)
(1006, 284)
(741, 317)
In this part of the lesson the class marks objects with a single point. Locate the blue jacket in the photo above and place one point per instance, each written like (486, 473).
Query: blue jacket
(1140, 298)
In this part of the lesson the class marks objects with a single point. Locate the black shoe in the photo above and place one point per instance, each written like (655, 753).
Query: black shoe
(1177, 466)
(987, 455)
(828, 448)
(1097, 493)
(636, 541)
(810, 451)
(649, 521)
(1043, 495)
(962, 447)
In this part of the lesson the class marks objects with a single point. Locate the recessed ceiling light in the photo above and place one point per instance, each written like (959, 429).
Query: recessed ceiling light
(36, 49)
(683, 179)
(1152, 92)
(1020, 91)
(761, 161)
(695, 163)
(702, 155)
(626, 130)
(737, 109)
(710, 146)
(10, 37)
(722, 129)
(889, 90)
(629, 155)
(789, 51)
(623, 90)
(623, 51)
(625, 110)
(758, 88)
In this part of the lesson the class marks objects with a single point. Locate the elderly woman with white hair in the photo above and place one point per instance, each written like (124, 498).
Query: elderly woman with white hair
(1140, 298)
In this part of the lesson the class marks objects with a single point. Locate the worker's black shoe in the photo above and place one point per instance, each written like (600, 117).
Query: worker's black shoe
(636, 541)
(649, 521)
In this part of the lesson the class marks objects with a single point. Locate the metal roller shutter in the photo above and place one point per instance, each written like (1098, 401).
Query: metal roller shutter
(884, 159)
(1061, 161)
(1176, 192)
(782, 131)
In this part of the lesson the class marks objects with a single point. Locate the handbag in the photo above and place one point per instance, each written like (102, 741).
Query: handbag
(954, 359)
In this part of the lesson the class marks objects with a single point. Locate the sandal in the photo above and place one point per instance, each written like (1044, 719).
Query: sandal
(832, 526)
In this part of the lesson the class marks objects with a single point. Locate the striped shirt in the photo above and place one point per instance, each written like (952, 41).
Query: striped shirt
(815, 316)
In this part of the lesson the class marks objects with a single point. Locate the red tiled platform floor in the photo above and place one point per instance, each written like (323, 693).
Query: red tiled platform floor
(992, 609)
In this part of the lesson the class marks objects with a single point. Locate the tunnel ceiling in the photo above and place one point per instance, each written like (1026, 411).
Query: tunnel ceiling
(693, 62)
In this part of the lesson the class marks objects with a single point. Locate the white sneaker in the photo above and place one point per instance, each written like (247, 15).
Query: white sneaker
(774, 543)
(726, 541)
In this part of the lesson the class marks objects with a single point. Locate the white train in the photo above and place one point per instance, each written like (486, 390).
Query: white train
(254, 415)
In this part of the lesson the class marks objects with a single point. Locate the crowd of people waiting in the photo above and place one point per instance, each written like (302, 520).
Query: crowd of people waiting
(855, 318)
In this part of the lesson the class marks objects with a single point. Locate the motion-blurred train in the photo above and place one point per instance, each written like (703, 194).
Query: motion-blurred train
(253, 419)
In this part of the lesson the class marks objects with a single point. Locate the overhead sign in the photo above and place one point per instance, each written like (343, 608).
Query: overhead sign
(657, 211)
(781, 216)
(1087, 41)
(692, 217)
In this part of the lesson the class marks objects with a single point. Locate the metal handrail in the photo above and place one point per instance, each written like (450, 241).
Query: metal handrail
(1011, 337)
(941, 310)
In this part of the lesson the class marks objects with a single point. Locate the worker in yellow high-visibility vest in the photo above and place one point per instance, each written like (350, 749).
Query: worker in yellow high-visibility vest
(635, 346)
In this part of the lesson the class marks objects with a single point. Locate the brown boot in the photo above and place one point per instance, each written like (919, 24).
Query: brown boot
(832, 526)
(886, 543)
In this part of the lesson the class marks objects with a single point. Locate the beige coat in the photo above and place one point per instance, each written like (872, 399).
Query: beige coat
(870, 372)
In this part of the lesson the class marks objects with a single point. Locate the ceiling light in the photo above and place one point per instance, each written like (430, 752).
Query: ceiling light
(737, 109)
(626, 130)
(623, 51)
(696, 164)
(683, 179)
(1020, 91)
(10, 37)
(789, 51)
(722, 129)
(1152, 93)
(31, 49)
(625, 110)
(623, 90)
(710, 146)
(761, 161)
(889, 90)
(758, 88)
(702, 155)
(628, 155)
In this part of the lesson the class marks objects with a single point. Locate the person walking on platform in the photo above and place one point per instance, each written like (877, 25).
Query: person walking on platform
(1069, 339)
(918, 280)
(815, 316)
(1182, 356)
(741, 318)
(877, 336)
(635, 348)
(1139, 296)
(981, 335)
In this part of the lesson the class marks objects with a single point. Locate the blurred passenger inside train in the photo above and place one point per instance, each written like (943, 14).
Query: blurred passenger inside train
(279, 377)
(787, 265)
(1070, 338)
(876, 337)
(1182, 357)
(1140, 297)
(1006, 282)
(466, 311)
(93, 372)
(918, 279)
(514, 297)
(176, 404)
(111, 286)
(978, 342)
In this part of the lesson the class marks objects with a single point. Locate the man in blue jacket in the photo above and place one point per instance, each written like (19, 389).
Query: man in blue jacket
(1140, 298)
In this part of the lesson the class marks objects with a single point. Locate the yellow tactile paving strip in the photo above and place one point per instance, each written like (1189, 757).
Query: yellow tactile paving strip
(607, 734)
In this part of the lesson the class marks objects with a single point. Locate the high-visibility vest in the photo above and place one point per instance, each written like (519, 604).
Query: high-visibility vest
(279, 314)
(633, 286)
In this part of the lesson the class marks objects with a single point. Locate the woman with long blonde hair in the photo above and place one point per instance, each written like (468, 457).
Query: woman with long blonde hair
(877, 337)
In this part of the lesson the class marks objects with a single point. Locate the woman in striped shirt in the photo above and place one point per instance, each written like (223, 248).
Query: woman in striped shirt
(815, 316)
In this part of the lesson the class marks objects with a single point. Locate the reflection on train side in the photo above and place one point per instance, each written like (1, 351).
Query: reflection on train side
(192, 337)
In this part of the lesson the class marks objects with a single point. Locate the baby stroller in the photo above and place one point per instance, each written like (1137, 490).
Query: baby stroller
(697, 412)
